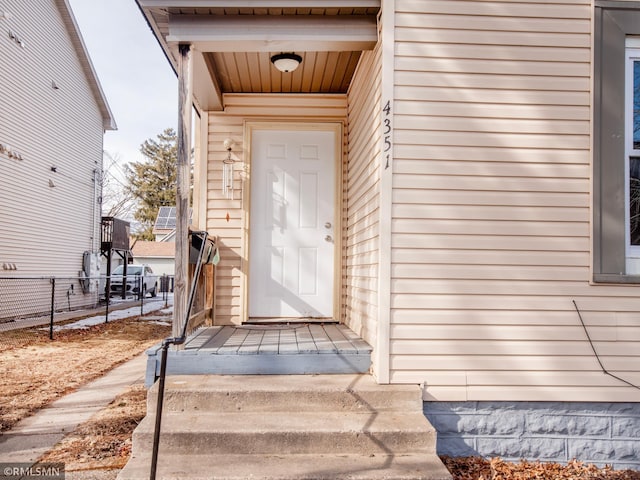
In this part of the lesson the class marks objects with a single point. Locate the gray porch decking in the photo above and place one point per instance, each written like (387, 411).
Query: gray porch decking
(291, 349)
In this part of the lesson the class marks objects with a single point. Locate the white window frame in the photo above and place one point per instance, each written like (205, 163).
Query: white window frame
(632, 54)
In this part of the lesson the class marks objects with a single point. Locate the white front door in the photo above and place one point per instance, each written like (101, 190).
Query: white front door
(291, 237)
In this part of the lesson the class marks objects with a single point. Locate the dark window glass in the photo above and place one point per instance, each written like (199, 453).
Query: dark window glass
(636, 105)
(634, 200)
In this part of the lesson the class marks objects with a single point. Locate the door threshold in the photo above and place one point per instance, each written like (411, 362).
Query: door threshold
(288, 320)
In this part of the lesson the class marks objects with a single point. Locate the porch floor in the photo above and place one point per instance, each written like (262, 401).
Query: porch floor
(269, 349)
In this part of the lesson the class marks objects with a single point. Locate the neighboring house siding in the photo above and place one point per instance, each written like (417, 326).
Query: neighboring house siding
(44, 230)
(362, 197)
(160, 266)
(160, 256)
(240, 108)
(491, 208)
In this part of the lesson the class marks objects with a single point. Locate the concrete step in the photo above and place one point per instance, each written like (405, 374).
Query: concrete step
(287, 427)
(289, 467)
(272, 393)
(293, 432)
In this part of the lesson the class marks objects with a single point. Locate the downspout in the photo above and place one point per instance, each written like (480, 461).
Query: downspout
(96, 178)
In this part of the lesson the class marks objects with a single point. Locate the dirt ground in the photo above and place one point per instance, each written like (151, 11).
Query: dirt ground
(35, 371)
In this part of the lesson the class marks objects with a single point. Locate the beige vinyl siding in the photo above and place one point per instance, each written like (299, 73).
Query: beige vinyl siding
(45, 230)
(240, 108)
(491, 208)
(362, 196)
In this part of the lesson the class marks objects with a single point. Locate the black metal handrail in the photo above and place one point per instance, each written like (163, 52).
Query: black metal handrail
(167, 342)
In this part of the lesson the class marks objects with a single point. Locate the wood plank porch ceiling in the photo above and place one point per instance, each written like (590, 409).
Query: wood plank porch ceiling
(251, 71)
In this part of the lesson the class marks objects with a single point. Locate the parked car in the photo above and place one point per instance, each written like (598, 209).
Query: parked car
(137, 275)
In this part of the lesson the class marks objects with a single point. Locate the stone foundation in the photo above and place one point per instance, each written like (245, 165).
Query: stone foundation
(599, 433)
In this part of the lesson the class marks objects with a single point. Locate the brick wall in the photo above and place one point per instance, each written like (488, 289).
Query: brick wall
(600, 433)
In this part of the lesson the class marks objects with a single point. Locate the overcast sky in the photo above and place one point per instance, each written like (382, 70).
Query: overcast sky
(138, 81)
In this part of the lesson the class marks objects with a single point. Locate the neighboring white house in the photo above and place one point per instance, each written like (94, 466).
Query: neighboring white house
(160, 256)
(53, 115)
(453, 180)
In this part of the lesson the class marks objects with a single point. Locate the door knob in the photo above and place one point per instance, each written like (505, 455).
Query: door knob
(328, 238)
(327, 225)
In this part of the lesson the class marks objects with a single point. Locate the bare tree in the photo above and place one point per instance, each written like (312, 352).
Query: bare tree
(117, 200)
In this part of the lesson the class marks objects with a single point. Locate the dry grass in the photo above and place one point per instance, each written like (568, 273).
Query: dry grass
(104, 441)
(35, 371)
(476, 468)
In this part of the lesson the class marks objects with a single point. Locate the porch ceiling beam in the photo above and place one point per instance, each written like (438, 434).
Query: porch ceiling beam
(205, 87)
(244, 33)
(259, 3)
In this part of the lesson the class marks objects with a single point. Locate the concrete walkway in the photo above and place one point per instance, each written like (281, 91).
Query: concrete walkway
(34, 435)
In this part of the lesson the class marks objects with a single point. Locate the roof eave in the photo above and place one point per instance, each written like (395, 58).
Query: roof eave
(146, 14)
(108, 120)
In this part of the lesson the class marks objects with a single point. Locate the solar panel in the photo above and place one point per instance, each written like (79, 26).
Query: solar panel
(166, 218)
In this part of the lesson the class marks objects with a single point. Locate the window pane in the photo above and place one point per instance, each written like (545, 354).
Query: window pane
(636, 105)
(634, 200)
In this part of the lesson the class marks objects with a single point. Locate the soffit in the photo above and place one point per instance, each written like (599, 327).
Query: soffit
(250, 71)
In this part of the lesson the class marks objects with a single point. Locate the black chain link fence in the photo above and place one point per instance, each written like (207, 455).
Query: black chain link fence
(31, 306)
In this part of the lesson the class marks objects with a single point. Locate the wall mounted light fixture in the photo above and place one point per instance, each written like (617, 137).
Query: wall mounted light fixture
(286, 62)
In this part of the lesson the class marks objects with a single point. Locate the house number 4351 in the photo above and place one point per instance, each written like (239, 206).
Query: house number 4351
(386, 132)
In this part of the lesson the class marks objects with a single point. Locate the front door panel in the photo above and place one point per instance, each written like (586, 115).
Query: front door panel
(291, 264)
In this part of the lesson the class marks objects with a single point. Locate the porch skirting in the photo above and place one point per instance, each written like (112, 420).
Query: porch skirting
(281, 349)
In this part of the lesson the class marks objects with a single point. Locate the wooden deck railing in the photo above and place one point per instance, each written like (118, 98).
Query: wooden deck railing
(114, 233)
